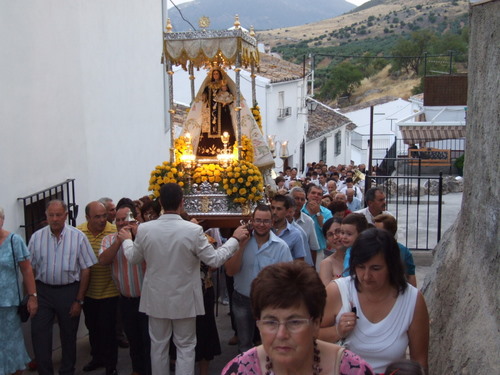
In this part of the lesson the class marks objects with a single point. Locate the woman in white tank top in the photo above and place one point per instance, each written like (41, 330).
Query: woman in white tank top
(374, 311)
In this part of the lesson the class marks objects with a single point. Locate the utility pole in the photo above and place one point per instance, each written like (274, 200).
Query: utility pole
(368, 178)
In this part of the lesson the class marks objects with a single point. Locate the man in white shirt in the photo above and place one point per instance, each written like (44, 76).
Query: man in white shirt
(353, 203)
(376, 204)
(349, 184)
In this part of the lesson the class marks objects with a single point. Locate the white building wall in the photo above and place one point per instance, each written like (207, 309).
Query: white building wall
(313, 148)
(290, 129)
(82, 97)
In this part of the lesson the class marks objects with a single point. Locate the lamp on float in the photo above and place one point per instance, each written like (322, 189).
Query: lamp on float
(225, 157)
(271, 144)
(188, 159)
(284, 153)
(284, 150)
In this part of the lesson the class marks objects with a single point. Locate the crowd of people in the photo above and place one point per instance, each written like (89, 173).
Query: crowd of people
(317, 284)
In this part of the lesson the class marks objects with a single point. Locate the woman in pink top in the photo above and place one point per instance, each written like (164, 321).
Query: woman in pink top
(288, 301)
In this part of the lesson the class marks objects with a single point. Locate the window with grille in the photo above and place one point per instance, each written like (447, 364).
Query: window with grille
(322, 149)
(338, 143)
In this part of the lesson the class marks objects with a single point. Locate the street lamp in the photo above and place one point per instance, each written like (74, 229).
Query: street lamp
(368, 181)
(311, 105)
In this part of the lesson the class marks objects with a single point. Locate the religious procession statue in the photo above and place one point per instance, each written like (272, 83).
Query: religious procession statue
(221, 158)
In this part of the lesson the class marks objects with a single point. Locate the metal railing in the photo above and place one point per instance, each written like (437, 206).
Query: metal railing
(34, 206)
(284, 112)
(416, 202)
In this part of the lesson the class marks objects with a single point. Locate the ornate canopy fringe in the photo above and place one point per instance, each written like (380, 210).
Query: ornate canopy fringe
(205, 47)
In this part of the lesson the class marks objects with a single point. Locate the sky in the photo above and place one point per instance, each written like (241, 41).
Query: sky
(178, 2)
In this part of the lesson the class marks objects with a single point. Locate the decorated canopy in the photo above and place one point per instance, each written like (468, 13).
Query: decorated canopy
(208, 46)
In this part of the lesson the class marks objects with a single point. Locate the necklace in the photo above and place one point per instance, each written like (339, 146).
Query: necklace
(316, 369)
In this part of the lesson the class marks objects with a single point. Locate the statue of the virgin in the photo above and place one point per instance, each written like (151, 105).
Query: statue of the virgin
(213, 112)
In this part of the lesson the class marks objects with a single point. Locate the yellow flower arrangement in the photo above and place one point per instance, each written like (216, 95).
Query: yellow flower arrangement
(243, 182)
(246, 150)
(256, 115)
(208, 172)
(164, 174)
(180, 145)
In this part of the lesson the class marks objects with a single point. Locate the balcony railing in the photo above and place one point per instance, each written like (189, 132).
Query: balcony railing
(284, 112)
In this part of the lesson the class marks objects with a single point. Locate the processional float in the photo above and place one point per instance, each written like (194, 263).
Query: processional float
(222, 182)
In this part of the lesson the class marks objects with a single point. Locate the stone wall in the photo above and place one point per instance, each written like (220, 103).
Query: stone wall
(451, 184)
(462, 288)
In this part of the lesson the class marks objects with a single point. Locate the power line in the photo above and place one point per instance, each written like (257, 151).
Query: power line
(182, 16)
(382, 57)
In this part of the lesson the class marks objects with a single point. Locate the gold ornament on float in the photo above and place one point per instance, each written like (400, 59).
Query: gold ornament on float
(204, 22)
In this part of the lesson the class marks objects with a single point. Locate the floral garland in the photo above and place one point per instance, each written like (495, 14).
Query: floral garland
(243, 182)
(256, 115)
(246, 149)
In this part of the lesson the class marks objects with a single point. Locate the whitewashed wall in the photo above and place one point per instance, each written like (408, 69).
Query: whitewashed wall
(82, 97)
(313, 148)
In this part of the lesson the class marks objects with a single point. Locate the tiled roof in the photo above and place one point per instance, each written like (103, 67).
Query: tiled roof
(368, 104)
(278, 70)
(324, 120)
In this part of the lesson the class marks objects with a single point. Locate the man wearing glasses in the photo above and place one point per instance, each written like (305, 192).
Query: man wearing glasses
(261, 249)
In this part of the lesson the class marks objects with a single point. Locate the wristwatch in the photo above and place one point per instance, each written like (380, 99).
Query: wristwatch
(318, 214)
(33, 295)
(80, 301)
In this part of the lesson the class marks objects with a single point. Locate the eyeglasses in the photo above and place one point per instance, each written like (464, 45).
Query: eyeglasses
(292, 325)
(337, 232)
(262, 221)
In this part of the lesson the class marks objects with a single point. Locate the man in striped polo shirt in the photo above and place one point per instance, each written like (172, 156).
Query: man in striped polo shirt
(102, 296)
(61, 257)
(128, 278)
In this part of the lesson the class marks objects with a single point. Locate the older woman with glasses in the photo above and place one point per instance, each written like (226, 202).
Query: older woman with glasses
(288, 301)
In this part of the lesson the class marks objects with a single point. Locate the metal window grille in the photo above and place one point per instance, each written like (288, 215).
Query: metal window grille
(34, 206)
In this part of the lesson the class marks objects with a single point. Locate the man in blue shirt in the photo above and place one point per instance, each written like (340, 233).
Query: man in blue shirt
(260, 250)
(284, 230)
(317, 212)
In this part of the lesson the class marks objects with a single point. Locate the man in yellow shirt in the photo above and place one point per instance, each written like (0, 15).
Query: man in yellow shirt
(101, 300)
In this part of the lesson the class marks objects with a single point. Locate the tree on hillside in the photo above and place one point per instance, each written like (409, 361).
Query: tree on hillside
(342, 80)
(450, 41)
(410, 51)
